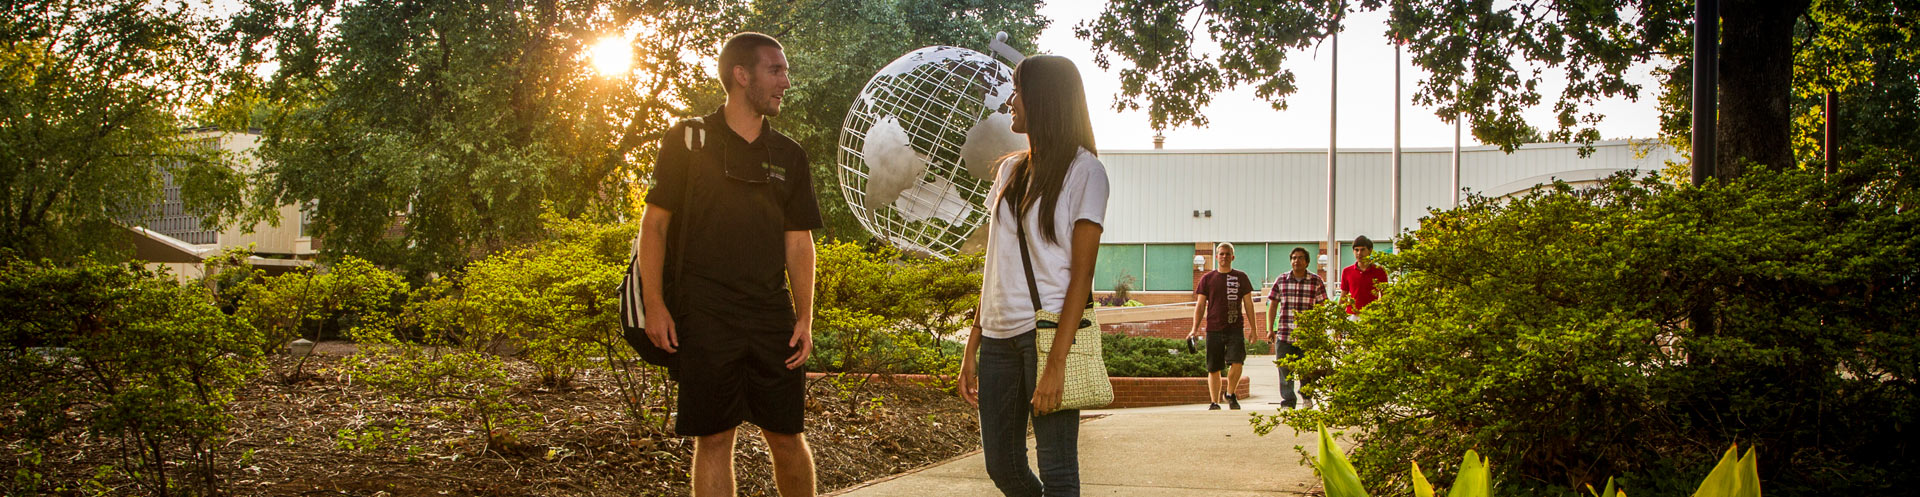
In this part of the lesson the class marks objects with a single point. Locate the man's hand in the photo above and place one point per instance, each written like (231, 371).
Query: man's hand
(1193, 332)
(660, 330)
(802, 340)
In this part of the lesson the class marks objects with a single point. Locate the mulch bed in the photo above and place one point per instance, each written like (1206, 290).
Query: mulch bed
(329, 436)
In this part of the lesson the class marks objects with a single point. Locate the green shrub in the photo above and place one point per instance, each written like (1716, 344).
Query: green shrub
(555, 298)
(883, 311)
(305, 303)
(461, 386)
(1150, 357)
(1556, 332)
(119, 352)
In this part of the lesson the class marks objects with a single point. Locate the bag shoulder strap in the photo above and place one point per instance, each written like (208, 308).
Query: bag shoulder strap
(1026, 262)
(694, 135)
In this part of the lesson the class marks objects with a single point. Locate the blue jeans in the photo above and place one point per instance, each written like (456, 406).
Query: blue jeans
(1285, 350)
(1007, 369)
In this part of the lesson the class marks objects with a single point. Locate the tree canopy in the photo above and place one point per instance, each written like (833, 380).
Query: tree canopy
(1484, 59)
(93, 98)
(425, 134)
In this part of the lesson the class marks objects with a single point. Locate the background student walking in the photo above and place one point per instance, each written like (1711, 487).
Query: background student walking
(1360, 282)
(1293, 292)
(1048, 204)
(1223, 305)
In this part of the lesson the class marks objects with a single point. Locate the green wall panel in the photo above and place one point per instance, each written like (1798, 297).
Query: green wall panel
(1169, 267)
(1277, 261)
(1251, 258)
(1116, 261)
(1346, 251)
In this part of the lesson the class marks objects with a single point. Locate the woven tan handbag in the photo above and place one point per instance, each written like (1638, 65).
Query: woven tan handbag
(1086, 385)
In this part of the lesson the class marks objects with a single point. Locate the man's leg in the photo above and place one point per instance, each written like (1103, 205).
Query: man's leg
(713, 465)
(1285, 351)
(792, 463)
(1213, 387)
(1233, 379)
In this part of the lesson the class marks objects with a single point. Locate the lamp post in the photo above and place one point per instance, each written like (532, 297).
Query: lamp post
(1396, 138)
(1333, 151)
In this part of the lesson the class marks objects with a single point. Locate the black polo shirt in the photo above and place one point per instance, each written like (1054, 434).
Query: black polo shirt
(741, 198)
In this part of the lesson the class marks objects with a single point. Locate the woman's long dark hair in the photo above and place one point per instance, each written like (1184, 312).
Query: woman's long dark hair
(1058, 127)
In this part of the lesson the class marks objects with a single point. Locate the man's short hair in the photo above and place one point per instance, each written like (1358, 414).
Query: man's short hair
(1363, 241)
(1221, 245)
(1302, 251)
(742, 50)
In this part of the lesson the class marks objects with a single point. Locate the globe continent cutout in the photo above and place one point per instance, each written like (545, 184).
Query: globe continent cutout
(919, 146)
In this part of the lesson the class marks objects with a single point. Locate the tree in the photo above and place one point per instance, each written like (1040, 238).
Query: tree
(1470, 50)
(427, 134)
(93, 97)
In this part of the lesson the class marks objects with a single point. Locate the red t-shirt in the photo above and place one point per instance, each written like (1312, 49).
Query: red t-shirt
(1361, 285)
(1224, 291)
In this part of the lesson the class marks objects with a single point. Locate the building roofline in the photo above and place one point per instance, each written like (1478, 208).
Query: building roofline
(1323, 151)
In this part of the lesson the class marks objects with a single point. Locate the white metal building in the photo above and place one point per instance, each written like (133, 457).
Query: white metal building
(1166, 206)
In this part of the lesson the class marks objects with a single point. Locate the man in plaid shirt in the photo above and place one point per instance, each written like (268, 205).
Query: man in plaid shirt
(1292, 292)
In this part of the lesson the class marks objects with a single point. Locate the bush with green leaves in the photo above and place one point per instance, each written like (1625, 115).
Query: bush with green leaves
(1150, 357)
(878, 310)
(555, 298)
(458, 385)
(117, 352)
(308, 303)
(1562, 332)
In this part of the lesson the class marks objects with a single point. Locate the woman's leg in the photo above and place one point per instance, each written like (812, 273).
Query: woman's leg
(1056, 436)
(1006, 390)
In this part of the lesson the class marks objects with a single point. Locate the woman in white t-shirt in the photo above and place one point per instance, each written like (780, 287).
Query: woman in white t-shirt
(1057, 193)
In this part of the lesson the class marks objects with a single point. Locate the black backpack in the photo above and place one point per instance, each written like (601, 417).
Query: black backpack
(633, 319)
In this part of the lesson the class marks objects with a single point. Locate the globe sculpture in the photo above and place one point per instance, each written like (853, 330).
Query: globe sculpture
(919, 146)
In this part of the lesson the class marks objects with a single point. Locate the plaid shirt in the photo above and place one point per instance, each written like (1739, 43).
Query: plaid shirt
(1293, 295)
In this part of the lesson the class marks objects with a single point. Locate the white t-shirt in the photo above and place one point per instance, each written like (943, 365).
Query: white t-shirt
(1005, 309)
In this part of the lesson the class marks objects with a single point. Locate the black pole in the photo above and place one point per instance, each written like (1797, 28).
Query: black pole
(1706, 82)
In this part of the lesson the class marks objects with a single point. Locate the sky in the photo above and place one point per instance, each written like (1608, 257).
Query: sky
(1240, 120)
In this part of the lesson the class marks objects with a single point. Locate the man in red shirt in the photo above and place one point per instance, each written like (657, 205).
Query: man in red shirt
(1360, 282)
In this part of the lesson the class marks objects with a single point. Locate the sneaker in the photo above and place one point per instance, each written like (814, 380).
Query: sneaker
(1233, 402)
(1286, 405)
(1213, 407)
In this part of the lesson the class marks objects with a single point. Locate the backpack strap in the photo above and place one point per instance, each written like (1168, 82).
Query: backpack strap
(696, 133)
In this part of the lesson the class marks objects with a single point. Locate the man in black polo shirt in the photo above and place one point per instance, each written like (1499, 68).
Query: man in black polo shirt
(736, 198)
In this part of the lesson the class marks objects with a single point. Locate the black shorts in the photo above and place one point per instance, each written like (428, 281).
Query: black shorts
(729, 374)
(1228, 346)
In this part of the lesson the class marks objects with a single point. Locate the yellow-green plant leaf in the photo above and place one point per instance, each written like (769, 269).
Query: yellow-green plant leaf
(1609, 491)
(1722, 481)
(1748, 476)
(1420, 486)
(1475, 478)
(1340, 478)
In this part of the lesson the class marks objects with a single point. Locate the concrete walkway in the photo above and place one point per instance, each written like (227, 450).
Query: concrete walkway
(1153, 451)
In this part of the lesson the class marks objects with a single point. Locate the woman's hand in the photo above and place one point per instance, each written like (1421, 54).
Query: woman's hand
(969, 383)
(1046, 393)
(969, 380)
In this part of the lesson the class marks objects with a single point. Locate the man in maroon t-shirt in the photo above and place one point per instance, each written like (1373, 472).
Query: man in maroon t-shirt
(1225, 304)
(1360, 282)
